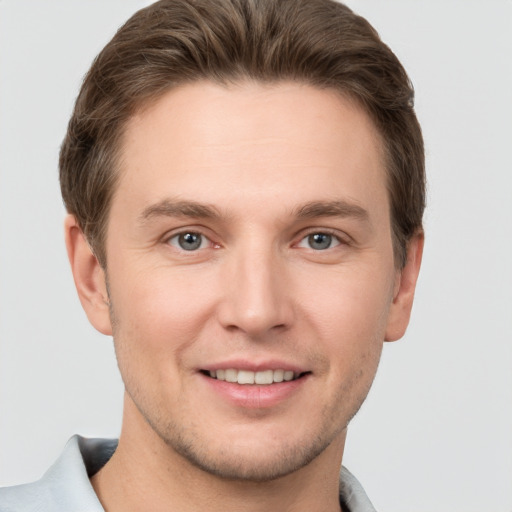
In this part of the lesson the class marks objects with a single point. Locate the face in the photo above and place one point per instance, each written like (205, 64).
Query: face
(250, 271)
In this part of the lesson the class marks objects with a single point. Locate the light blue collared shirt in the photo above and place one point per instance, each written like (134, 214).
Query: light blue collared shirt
(66, 487)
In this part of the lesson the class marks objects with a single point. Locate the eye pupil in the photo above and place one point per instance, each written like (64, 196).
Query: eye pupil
(189, 241)
(320, 241)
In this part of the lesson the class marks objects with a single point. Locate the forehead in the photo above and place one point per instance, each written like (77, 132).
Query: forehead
(269, 142)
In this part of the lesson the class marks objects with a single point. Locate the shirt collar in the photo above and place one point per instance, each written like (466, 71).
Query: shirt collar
(66, 487)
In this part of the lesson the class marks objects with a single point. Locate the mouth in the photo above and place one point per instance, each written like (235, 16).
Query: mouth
(247, 377)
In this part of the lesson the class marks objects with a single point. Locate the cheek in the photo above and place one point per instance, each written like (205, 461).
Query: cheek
(155, 324)
(350, 305)
(162, 312)
(349, 319)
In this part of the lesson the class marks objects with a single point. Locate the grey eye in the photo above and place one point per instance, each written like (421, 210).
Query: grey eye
(188, 241)
(319, 241)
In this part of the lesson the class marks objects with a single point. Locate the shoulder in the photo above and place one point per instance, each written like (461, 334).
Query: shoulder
(32, 497)
(65, 487)
(353, 498)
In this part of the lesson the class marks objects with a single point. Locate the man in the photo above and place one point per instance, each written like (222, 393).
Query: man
(245, 188)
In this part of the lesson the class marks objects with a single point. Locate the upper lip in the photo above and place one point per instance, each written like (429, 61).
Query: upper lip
(254, 366)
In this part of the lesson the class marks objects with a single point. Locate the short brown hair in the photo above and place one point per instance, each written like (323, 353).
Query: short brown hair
(318, 42)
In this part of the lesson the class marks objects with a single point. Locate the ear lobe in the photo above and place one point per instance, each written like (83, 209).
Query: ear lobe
(405, 285)
(89, 277)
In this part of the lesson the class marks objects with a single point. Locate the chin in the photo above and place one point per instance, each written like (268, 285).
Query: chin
(257, 464)
(248, 456)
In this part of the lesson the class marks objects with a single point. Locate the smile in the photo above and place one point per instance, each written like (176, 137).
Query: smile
(264, 377)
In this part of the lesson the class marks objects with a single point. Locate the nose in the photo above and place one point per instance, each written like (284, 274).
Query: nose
(257, 297)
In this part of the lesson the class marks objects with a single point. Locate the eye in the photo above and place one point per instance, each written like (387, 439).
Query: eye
(189, 241)
(319, 241)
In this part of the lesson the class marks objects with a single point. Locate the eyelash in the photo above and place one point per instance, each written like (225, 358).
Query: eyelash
(333, 237)
(203, 239)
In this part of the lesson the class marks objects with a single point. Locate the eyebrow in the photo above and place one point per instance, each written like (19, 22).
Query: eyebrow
(338, 208)
(193, 209)
(173, 208)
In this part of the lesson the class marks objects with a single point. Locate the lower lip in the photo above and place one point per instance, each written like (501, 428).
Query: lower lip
(253, 396)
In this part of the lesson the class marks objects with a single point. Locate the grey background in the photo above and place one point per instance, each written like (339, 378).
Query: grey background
(435, 434)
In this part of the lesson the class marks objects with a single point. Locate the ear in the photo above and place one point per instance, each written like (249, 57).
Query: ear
(89, 277)
(403, 294)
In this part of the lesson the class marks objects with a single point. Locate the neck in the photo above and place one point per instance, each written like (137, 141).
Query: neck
(146, 474)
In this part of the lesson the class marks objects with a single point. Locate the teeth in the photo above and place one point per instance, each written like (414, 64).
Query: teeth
(231, 375)
(288, 375)
(279, 376)
(245, 377)
(264, 377)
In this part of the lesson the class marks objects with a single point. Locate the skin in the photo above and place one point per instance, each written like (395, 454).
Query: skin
(258, 291)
